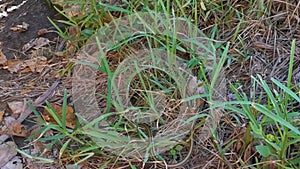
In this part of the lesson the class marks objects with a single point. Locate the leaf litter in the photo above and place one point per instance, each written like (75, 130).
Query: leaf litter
(262, 44)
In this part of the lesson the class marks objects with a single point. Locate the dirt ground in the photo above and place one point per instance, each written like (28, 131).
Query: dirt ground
(35, 13)
(29, 65)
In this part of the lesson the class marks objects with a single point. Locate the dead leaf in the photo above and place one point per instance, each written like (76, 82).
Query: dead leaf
(70, 9)
(3, 60)
(238, 145)
(14, 65)
(25, 70)
(248, 152)
(7, 152)
(42, 32)
(35, 43)
(2, 26)
(74, 31)
(14, 163)
(21, 28)
(73, 10)
(16, 107)
(40, 42)
(36, 64)
(1, 115)
(39, 147)
(8, 120)
(18, 129)
(14, 128)
(71, 119)
(61, 54)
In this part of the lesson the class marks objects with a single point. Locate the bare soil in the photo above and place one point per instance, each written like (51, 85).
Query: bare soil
(33, 12)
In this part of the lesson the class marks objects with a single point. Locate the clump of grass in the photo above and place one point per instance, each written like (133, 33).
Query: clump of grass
(272, 127)
(272, 124)
(62, 140)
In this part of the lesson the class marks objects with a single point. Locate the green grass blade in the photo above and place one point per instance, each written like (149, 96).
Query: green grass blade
(286, 89)
(275, 117)
(292, 56)
(55, 116)
(64, 110)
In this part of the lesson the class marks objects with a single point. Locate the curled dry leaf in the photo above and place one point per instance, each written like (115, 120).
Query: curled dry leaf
(71, 119)
(73, 10)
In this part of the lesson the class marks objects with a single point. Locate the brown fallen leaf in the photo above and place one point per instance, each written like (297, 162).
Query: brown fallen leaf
(14, 163)
(14, 128)
(7, 152)
(21, 28)
(71, 9)
(16, 107)
(248, 152)
(36, 44)
(36, 64)
(3, 60)
(71, 119)
(61, 54)
(14, 65)
(1, 115)
(27, 111)
(18, 129)
(42, 32)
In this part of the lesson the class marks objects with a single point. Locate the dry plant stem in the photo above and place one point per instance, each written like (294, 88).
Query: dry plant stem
(27, 111)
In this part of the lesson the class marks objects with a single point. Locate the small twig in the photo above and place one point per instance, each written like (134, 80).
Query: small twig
(15, 50)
